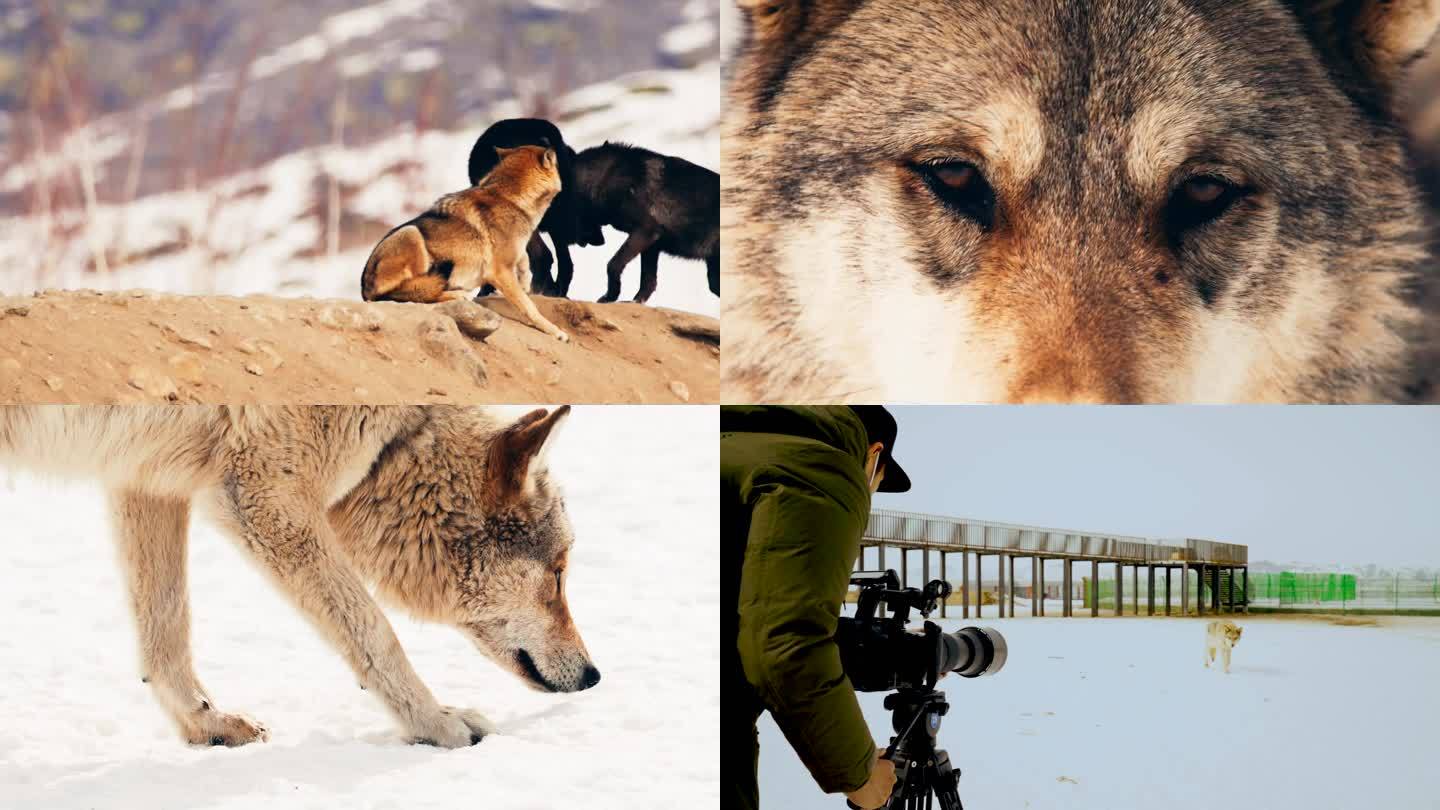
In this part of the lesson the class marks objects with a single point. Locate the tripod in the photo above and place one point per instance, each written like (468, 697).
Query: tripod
(922, 771)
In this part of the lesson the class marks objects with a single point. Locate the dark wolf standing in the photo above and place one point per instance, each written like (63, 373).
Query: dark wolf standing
(665, 204)
(1109, 201)
(559, 220)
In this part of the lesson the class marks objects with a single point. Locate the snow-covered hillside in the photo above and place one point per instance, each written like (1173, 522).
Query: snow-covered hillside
(304, 223)
(81, 731)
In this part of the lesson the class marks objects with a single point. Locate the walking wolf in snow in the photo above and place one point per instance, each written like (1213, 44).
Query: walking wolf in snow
(451, 513)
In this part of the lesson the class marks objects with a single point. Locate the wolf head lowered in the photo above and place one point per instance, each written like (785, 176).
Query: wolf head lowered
(462, 523)
(1108, 201)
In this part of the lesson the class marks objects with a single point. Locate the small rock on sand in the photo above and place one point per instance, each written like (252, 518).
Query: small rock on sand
(262, 350)
(54, 383)
(351, 317)
(440, 338)
(680, 390)
(19, 310)
(474, 321)
(188, 338)
(152, 383)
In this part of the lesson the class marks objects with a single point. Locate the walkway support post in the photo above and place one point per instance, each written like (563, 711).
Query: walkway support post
(1094, 588)
(1000, 586)
(979, 585)
(1012, 587)
(946, 600)
(1066, 609)
(965, 584)
(1034, 587)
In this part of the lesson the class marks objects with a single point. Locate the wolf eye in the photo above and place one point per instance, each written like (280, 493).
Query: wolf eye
(962, 187)
(1199, 200)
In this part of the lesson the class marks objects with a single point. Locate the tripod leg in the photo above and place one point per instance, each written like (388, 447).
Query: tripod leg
(945, 781)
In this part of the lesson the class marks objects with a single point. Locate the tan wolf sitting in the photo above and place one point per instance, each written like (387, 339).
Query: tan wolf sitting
(450, 512)
(1221, 636)
(471, 238)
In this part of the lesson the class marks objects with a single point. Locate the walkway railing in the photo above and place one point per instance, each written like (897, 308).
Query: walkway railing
(916, 530)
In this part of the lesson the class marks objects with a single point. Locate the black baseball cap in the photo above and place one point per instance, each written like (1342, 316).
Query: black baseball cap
(880, 427)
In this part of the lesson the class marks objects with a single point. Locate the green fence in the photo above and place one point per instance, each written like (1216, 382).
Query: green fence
(1290, 588)
(1294, 590)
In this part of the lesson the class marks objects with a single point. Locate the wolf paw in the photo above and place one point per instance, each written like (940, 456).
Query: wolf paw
(561, 336)
(608, 298)
(454, 728)
(210, 727)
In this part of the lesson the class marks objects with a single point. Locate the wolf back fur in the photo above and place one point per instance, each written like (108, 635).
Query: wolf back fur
(560, 219)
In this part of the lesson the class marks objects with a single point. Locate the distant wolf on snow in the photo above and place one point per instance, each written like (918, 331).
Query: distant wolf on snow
(1221, 636)
(451, 513)
(1052, 201)
(471, 238)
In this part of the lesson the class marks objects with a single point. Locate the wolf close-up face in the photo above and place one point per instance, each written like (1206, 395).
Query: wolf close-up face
(490, 541)
(1107, 201)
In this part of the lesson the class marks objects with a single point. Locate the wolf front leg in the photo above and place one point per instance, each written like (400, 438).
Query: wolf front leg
(649, 273)
(636, 243)
(540, 282)
(152, 536)
(508, 283)
(1226, 655)
(285, 528)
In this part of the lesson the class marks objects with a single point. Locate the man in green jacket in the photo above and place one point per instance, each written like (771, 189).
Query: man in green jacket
(795, 486)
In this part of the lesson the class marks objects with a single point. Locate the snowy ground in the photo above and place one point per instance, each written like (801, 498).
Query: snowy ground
(1115, 714)
(80, 731)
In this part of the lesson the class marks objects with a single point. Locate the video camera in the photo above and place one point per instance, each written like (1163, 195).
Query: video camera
(880, 654)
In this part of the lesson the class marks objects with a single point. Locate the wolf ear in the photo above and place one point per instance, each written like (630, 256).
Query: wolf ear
(793, 25)
(1375, 39)
(518, 451)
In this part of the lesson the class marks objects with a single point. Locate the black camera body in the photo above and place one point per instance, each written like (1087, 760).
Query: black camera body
(881, 654)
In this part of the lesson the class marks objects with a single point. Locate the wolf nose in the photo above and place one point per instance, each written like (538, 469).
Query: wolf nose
(589, 678)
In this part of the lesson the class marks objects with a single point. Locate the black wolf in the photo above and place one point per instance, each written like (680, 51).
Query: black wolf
(665, 204)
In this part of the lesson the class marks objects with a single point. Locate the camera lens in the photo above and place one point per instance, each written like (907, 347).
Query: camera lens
(972, 651)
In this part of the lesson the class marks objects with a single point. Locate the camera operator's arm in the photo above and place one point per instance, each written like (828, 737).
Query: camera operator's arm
(801, 548)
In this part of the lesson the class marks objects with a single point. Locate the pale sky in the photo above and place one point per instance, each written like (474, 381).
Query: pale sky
(1340, 484)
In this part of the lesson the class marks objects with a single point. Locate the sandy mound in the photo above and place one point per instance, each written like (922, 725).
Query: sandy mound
(85, 346)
